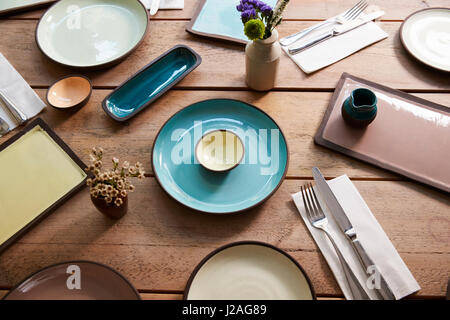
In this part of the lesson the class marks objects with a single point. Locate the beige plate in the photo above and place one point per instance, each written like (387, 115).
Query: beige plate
(426, 35)
(249, 271)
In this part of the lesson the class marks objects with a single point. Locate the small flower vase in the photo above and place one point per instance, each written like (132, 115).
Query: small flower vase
(110, 209)
(261, 61)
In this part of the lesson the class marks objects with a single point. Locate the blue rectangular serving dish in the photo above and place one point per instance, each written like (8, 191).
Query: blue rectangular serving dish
(149, 83)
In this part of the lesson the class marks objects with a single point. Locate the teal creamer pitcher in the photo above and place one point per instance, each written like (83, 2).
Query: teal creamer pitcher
(360, 108)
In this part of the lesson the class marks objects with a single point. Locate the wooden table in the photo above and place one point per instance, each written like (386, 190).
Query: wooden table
(159, 242)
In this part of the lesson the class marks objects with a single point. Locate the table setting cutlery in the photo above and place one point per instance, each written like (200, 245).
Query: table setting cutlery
(365, 247)
(18, 101)
(342, 18)
(155, 5)
(336, 31)
(348, 229)
(328, 42)
(4, 127)
(318, 220)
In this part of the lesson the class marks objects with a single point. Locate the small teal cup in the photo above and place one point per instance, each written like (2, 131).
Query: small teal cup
(360, 108)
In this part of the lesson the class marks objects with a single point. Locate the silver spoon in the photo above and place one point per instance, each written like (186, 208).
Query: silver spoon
(4, 127)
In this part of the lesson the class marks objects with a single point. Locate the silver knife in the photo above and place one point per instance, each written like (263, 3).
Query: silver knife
(20, 117)
(347, 228)
(336, 31)
(154, 7)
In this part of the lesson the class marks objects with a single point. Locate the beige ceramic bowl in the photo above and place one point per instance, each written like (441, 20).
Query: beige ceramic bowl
(72, 91)
(219, 150)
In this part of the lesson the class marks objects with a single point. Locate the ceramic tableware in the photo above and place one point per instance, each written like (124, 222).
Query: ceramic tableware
(426, 36)
(149, 83)
(91, 34)
(69, 92)
(39, 172)
(219, 150)
(219, 19)
(13, 6)
(75, 280)
(254, 180)
(410, 135)
(360, 108)
(249, 270)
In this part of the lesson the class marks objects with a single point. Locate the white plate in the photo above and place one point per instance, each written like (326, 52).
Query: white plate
(426, 35)
(91, 33)
(249, 271)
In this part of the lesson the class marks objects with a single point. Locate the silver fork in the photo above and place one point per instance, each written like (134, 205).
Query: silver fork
(344, 17)
(318, 220)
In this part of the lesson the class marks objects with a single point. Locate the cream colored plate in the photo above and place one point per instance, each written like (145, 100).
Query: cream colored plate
(249, 271)
(426, 35)
(91, 33)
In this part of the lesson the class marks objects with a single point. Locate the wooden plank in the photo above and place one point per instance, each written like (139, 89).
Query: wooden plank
(223, 64)
(161, 296)
(298, 9)
(3, 293)
(159, 242)
(298, 114)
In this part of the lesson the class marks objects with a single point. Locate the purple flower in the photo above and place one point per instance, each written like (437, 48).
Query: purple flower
(266, 9)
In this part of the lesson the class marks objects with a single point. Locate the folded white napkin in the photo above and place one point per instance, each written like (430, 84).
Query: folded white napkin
(336, 48)
(166, 4)
(19, 92)
(370, 234)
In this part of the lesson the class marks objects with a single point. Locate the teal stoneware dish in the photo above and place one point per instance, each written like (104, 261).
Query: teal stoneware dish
(360, 108)
(253, 180)
(149, 83)
(219, 19)
(91, 34)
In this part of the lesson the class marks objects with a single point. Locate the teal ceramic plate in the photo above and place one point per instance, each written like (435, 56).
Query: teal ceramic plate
(254, 180)
(220, 19)
(149, 83)
(91, 33)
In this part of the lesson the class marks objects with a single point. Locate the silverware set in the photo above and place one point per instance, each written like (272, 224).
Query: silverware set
(317, 218)
(18, 115)
(342, 19)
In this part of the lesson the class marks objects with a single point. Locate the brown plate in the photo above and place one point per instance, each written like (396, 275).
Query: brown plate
(75, 280)
(409, 136)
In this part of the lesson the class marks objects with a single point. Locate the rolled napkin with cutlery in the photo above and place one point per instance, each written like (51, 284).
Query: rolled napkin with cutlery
(18, 102)
(371, 237)
(328, 48)
(165, 4)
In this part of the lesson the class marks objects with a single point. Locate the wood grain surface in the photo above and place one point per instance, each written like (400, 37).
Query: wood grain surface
(297, 10)
(385, 62)
(159, 242)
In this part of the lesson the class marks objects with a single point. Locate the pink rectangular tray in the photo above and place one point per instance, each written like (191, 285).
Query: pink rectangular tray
(409, 136)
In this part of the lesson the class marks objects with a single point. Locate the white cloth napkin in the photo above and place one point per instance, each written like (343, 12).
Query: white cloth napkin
(19, 92)
(336, 48)
(165, 4)
(370, 234)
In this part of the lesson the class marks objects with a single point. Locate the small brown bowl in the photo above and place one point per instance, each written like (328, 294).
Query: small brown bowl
(70, 92)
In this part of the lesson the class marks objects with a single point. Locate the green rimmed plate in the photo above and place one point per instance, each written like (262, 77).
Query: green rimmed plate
(91, 33)
(254, 180)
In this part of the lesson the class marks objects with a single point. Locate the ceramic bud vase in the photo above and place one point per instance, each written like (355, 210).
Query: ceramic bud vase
(110, 209)
(261, 61)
